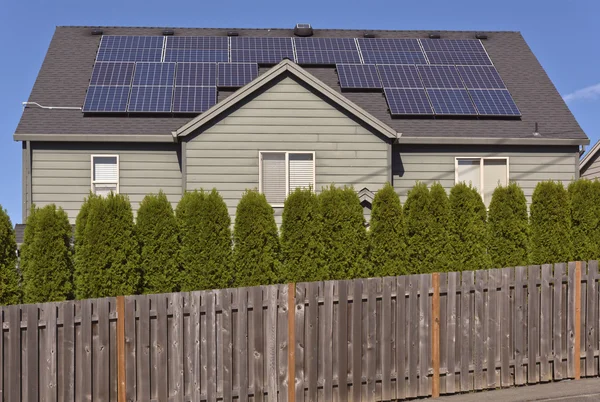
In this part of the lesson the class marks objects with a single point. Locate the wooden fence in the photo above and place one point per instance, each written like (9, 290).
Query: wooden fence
(361, 340)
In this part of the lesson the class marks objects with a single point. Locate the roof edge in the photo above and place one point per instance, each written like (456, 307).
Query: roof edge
(93, 137)
(589, 156)
(491, 141)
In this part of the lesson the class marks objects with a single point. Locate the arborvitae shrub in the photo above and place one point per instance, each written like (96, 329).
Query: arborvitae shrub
(387, 234)
(418, 220)
(467, 230)
(256, 242)
(508, 227)
(301, 238)
(108, 254)
(550, 222)
(158, 237)
(46, 256)
(10, 292)
(189, 219)
(344, 233)
(439, 236)
(585, 219)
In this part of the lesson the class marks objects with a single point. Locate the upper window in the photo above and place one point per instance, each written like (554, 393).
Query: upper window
(484, 174)
(105, 174)
(280, 173)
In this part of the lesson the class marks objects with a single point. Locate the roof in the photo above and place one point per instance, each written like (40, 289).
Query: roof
(66, 70)
(590, 156)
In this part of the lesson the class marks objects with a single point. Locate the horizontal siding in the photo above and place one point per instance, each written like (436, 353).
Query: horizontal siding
(61, 173)
(285, 117)
(592, 170)
(527, 165)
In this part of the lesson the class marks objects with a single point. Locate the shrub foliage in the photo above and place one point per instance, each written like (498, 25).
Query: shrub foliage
(585, 219)
(10, 292)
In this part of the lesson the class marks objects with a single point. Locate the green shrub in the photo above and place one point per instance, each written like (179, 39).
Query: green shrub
(439, 236)
(215, 241)
(301, 238)
(108, 252)
(508, 227)
(256, 242)
(550, 223)
(467, 230)
(419, 222)
(46, 256)
(189, 218)
(585, 219)
(344, 233)
(158, 237)
(387, 235)
(10, 293)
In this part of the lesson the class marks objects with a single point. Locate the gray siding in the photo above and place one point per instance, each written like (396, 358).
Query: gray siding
(592, 168)
(61, 172)
(528, 165)
(286, 117)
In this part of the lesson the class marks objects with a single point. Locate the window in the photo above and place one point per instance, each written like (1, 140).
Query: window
(282, 172)
(484, 174)
(105, 174)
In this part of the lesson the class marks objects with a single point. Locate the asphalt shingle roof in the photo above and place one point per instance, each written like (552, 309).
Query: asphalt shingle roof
(65, 73)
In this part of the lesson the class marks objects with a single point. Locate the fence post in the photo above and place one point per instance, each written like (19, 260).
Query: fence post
(121, 380)
(577, 359)
(291, 303)
(435, 335)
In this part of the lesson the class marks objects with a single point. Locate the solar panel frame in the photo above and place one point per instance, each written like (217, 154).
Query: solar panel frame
(393, 57)
(325, 44)
(236, 75)
(197, 42)
(257, 43)
(327, 57)
(494, 102)
(106, 99)
(194, 99)
(112, 73)
(118, 54)
(399, 76)
(196, 55)
(154, 74)
(131, 42)
(481, 77)
(264, 57)
(358, 76)
(458, 58)
(196, 74)
(407, 101)
(151, 99)
(388, 45)
(453, 45)
(434, 76)
(451, 102)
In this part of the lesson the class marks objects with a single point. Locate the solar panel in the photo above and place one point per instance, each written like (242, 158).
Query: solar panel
(264, 56)
(118, 54)
(154, 74)
(393, 57)
(112, 73)
(494, 102)
(194, 99)
(196, 55)
(235, 75)
(106, 99)
(325, 44)
(451, 102)
(440, 76)
(485, 77)
(402, 101)
(327, 57)
(399, 76)
(474, 59)
(196, 74)
(131, 42)
(249, 43)
(453, 45)
(388, 45)
(150, 99)
(197, 42)
(358, 76)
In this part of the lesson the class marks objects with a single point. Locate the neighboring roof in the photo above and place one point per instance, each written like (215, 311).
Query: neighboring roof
(589, 157)
(289, 67)
(65, 74)
(366, 195)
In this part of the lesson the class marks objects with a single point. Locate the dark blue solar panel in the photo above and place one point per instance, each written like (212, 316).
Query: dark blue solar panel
(235, 75)
(154, 74)
(440, 76)
(358, 76)
(117, 54)
(453, 45)
(265, 56)
(150, 99)
(388, 45)
(327, 57)
(112, 73)
(196, 74)
(474, 59)
(131, 42)
(196, 56)
(495, 102)
(197, 42)
(451, 102)
(325, 44)
(194, 99)
(399, 76)
(106, 99)
(393, 57)
(407, 101)
(481, 77)
(248, 43)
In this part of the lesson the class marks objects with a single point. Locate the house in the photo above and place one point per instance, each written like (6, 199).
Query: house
(138, 110)
(589, 166)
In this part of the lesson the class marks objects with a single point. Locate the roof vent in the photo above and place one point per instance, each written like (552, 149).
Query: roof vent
(481, 36)
(303, 30)
(168, 32)
(368, 35)
(97, 32)
(435, 35)
(232, 33)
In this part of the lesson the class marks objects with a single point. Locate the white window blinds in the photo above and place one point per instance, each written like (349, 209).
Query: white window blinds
(106, 169)
(494, 175)
(469, 172)
(301, 171)
(274, 177)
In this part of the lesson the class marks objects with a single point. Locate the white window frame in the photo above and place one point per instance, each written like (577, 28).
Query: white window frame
(287, 170)
(481, 165)
(93, 182)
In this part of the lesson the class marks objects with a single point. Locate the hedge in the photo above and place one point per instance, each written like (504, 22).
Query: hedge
(188, 214)
(585, 219)
(418, 220)
(10, 292)
(439, 234)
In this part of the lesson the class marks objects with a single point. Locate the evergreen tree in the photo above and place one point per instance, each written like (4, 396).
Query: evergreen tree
(344, 233)
(10, 292)
(508, 227)
(158, 237)
(550, 222)
(46, 256)
(189, 218)
(301, 241)
(439, 236)
(256, 242)
(585, 218)
(419, 223)
(467, 229)
(387, 234)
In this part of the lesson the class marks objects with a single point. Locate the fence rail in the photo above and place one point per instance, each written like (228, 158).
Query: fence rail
(357, 340)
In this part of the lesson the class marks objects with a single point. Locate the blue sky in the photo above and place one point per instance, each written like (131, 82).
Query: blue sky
(561, 33)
